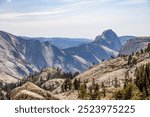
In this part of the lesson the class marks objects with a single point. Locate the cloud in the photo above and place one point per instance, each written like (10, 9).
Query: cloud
(53, 11)
(32, 14)
(74, 17)
(81, 3)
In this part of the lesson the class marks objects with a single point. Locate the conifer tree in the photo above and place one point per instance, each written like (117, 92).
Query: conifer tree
(148, 48)
(83, 91)
(76, 84)
(116, 83)
(143, 79)
(142, 51)
(129, 59)
(118, 95)
(103, 89)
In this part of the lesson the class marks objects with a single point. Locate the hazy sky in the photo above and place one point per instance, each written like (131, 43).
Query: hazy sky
(75, 18)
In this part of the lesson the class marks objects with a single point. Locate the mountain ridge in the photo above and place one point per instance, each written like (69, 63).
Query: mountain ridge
(102, 81)
(20, 57)
(110, 39)
(60, 42)
(134, 45)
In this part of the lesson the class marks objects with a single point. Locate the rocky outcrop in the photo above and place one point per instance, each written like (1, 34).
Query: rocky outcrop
(134, 45)
(30, 91)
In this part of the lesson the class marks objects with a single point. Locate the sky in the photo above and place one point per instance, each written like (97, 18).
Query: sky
(75, 18)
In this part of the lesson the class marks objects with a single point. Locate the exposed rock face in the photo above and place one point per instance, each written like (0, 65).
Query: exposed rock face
(52, 84)
(124, 39)
(134, 45)
(109, 39)
(19, 57)
(30, 91)
(12, 60)
(107, 71)
(104, 47)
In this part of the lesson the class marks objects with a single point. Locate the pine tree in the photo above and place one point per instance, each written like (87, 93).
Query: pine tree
(69, 85)
(103, 89)
(76, 84)
(128, 92)
(116, 83)
(118, 95)
(126, 79)
(83, 91)
(1, 94)
(148, 48)
(143, 79)
(134, 61)
(137, 54)
(66, 85)
(129, 59)
(142, 51)
(62, 88)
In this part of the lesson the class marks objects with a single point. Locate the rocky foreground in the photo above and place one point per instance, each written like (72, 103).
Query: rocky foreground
(30, 91)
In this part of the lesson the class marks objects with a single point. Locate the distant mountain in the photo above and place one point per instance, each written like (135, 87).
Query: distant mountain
(62, 43)
(109, 39)
(13, 62)
(19, 56)
(135, 45)
(104, 47)
(124, 39)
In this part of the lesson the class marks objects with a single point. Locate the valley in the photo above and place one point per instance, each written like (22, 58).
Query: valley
(102, 69)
